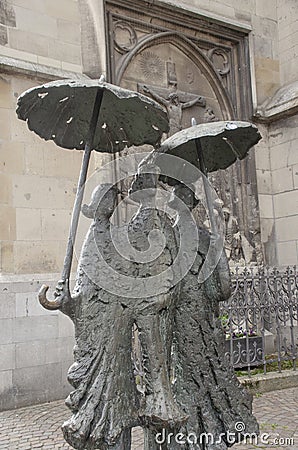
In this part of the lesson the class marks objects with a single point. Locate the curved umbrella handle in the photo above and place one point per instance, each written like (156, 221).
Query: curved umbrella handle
(48, 304)
(61, 296)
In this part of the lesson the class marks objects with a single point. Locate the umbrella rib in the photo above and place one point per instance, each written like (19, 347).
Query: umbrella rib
(231, 145)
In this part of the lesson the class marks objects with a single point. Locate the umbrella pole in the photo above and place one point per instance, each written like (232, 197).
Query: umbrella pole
(55, 304)
(202, 168)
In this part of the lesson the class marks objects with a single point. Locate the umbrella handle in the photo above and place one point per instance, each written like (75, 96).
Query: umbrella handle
(62, 294)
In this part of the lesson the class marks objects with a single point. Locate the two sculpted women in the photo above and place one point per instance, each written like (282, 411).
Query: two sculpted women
(189, 387)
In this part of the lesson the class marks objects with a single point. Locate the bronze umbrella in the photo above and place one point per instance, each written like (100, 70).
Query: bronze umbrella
(210, 147)
(89, 115)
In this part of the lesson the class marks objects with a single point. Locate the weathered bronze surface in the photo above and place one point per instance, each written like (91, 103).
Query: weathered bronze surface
(188, 386)
(61, 111)
(222, 143)
(90, 115)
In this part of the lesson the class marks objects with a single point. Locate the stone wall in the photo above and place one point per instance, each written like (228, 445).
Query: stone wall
(35, 344)
(283, 140)
(40, 40)
(288, 39)
(44, 32)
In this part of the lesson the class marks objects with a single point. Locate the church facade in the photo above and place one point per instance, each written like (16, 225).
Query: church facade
(214, 60)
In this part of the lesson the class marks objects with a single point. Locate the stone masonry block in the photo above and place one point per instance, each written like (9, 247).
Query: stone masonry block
(49, 62)
(72, 67)
(67, 388)
(290, 41)
(267, 70)
(6, 257)
(64, 9)
(287, 253)
(7, 357)
(35, 5)
(293, 152)
(35, 328)
(55, 223)
(5, 93)
(20, 85)
(28, 224)
(68, 32)
(263, 48)
(6, 390)
(39, 256)
(29, 41)
(266, 8)
(59, 350)
(18, 54)
(262, 155)
(27, 305)
(286, 204)
(42, 24)
(244, 6)
(266, 89)
(264, 26)
(64, 51)
(264, 181)
(282, 180)
(295, 176)
(267, 230)
(279, 155)
(36, 382)
(65, 163)
(287, 229)
(66, 327)
(12, 157)
(219, 8)
(284, 130)
(29, 354)
(6, 331)
(4, 124)
(32, 191)
(19, 129)
(7, 223)
(266, 206)
(5, 191)
(7, 306)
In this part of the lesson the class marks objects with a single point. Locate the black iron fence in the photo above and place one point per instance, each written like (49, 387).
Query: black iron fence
(261, 319)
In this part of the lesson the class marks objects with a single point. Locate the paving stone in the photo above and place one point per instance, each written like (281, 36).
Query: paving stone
(39, 426)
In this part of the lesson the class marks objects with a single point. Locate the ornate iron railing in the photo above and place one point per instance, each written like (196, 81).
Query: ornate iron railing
(261, 318)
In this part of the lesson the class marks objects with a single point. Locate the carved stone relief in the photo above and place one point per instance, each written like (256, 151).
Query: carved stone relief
(193, 68)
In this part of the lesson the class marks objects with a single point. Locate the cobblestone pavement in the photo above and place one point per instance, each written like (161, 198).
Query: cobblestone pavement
(39, 426)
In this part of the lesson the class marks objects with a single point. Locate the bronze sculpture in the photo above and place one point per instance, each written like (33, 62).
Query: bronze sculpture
(189, 387)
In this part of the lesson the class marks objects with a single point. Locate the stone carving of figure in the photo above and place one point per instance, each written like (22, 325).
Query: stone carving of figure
(209, 115)
(174, 107)
(238, 249)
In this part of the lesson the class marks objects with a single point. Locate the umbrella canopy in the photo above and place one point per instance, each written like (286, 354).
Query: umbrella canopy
(222, 143)
(61, 111)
